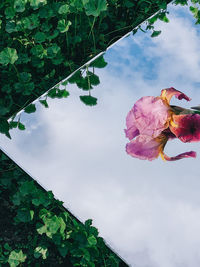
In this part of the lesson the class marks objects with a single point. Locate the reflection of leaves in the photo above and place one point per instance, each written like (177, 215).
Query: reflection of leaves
(30, 109)
(155, 33)
(57, 93)
(99, 63)
(16, 124)
(94, 79)
(21, 126)
(8, 55)
(88, 100)
(44, 103)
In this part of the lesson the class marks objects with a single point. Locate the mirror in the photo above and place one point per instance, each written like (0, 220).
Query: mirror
(148, 212)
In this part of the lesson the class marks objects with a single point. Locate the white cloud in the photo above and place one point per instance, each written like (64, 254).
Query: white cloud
(147, 211)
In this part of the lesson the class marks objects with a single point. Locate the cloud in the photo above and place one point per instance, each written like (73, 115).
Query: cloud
(147, 211)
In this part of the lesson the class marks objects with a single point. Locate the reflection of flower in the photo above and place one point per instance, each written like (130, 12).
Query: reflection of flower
(153, 122)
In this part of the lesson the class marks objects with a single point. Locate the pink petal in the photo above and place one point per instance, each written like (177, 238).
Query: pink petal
(143, 147)
(169, 92)
(151, 115)
(188, 127)
(191, 154)
(132, 130)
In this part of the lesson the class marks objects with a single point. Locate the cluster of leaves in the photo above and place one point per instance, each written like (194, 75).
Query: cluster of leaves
(37, 230)
(42, 42)
(162, 14)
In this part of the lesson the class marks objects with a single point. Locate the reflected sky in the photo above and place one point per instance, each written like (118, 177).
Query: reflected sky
(148, 212)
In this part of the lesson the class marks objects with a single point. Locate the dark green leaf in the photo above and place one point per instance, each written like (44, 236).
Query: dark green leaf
(44, 103)
(30, 109)
(24, 215)
(155, 33)
(40, 37)
(89, 100)
(99, 63)
(21, 126)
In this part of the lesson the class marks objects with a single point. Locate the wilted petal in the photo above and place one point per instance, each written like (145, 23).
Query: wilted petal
(151, 115)
(190, 154)
(143, 147)
(187, 127)
(131, 130)
(169, 92)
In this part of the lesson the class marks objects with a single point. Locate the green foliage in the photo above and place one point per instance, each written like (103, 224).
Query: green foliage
(42, 231)
(16, 258)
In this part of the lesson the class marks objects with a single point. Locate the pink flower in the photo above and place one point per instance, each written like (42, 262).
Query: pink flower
(186, 127)
(151, 115)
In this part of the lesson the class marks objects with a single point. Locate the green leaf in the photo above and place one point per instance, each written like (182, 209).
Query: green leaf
(10, 12)
(92, 240)
(24, 215)
(88, 100)
(63, 25)
(99, 63)
(21, 126)
(44, 103)
(40, 37)
(4, 127)
(31, 22)
(53, 50)
(39, 51)
(63, 250)
(8, 55)
(10, 27)
(57, 93)
(13, 124)
(64, 9)
(16, 257)
(155, 33)
(7, 247)
(19, 5)
(30, 109)
(35, 4)
(95, 7)
(41, 251)
(25, 77)
(94, 79)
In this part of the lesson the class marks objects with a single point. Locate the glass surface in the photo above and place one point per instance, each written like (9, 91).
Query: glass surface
(148, 212)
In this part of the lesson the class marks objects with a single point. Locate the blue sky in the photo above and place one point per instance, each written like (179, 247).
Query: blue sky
(148, 212)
